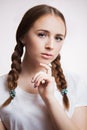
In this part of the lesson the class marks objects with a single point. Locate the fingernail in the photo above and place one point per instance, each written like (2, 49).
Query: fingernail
(32, 81)
(43, 81)
(41, 64)
(50, 65)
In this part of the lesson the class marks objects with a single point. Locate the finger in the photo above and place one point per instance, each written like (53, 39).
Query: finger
(47, 67)
(39, 82)
(41, 76)
(37, 76)
(50, 65)
(43, 81)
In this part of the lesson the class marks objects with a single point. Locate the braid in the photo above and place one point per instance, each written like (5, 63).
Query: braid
(13, 74)
(60, 79)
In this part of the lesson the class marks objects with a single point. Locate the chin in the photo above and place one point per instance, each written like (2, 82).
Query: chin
(45, 62)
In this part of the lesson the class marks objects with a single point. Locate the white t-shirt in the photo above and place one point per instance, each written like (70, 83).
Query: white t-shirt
(28, 111)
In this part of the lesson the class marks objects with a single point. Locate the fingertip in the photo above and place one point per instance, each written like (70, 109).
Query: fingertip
(32, 80)
(50, 65)
(41, 64)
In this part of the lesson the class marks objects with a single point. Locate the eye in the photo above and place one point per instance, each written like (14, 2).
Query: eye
(58, 38)
(41, 35)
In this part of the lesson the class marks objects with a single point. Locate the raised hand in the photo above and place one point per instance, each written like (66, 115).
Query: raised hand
(45, 82)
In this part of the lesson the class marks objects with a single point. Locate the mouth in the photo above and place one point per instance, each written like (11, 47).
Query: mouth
(46, 55)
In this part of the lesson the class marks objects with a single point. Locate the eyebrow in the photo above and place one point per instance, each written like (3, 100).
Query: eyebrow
(58, 34)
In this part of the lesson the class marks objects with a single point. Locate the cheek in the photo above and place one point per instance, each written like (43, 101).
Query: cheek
(58, 47)
(30, 43)
(33, 47)
(34, 42)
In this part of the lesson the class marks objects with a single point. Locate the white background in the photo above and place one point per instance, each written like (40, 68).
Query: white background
(74, 51)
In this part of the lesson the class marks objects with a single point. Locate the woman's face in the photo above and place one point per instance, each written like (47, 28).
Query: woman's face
(44, 39)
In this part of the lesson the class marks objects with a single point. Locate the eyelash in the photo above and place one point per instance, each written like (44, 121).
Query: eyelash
(41, 34)
(58, 38)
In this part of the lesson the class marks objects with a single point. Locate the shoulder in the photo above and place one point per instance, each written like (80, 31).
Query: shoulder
(3, 82)
(77, 88)
(75, 81)
(3, 88)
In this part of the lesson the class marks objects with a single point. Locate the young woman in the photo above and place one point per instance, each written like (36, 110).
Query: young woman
(35, 94)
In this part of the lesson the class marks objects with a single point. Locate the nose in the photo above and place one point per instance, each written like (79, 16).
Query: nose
(49, 44)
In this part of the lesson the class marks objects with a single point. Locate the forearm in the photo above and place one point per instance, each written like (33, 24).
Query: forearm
(58, 115)
(2, 126)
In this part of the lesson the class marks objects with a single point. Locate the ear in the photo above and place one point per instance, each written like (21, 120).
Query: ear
(22, 39)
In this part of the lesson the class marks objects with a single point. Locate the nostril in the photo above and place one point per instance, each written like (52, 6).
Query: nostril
(48, 46)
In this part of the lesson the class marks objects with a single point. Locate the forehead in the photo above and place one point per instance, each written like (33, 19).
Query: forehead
(51, 23)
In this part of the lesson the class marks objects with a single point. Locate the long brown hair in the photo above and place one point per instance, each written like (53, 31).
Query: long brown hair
(26, 23)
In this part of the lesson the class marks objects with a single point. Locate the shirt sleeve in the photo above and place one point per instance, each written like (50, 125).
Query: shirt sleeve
(81, 94)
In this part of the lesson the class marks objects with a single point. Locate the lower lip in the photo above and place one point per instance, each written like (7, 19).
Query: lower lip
(46, 56)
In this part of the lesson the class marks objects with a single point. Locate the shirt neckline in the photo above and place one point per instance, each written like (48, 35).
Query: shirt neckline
(19, 90)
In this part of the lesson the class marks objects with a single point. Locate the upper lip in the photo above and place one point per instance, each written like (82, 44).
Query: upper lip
(47, 54)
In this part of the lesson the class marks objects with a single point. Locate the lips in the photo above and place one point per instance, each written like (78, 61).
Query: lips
(46, 55)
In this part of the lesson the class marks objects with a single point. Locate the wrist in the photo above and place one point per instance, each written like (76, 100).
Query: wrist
(49, 99)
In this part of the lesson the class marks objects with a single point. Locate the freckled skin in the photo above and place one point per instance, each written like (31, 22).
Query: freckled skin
(45, 36)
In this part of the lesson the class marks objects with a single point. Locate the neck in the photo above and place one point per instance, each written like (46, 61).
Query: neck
(30, 67)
